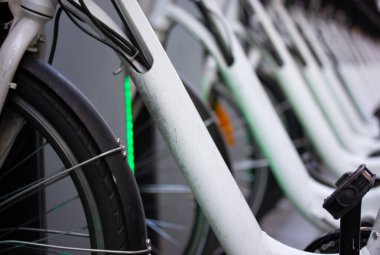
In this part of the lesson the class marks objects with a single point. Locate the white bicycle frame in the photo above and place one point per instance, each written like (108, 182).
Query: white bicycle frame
(350, 68)
(220, 198)
(368, 79)
(259, 114)
(295, 89)
(356, 143)
(351, 114)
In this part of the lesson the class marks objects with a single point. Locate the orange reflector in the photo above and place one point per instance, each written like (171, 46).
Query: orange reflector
(225, 123)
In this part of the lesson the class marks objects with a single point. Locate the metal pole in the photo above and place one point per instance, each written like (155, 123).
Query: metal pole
(349, 243)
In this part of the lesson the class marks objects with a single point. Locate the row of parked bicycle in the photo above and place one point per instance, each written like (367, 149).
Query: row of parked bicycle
(288, 92)
(319, 74)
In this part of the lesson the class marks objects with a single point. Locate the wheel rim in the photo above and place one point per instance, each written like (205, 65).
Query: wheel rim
(59, 201)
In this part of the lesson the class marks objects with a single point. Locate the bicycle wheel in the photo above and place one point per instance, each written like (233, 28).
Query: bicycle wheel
(250, 167)
(175, 222)
(82, 208)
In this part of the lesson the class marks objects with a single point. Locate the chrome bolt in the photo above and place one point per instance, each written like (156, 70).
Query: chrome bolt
(123, 150)
(375, 235)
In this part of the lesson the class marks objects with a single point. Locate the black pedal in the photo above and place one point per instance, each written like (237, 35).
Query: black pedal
(351, 188)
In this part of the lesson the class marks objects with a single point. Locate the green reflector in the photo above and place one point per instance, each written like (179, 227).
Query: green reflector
(129, 123)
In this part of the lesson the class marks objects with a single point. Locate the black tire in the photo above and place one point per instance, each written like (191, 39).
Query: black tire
(175, 213)
(54, 137)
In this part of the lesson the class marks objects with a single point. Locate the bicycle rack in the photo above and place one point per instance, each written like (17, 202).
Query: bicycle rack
(345, 204)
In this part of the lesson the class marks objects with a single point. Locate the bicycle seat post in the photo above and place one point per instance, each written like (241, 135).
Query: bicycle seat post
(345, 204)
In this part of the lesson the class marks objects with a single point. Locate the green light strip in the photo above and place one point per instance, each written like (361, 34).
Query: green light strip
(129, 123)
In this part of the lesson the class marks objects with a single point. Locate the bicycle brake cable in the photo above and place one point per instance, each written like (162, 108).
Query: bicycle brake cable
(122, 48)
(55, 35)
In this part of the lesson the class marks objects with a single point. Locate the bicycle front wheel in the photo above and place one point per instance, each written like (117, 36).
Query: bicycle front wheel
(46, 208)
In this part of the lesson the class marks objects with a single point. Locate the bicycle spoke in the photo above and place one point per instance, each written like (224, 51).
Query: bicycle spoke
(57, 247)
(157, 228)
(10, 194)
(243, 165)
(26, 223)
(53, 178)
(165, 188)
(49, 231)
(7, 172)
(168, 206)
(57, 234)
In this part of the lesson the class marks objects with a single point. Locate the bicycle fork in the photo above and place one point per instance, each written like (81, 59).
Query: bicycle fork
(27, 25)
(25, 30)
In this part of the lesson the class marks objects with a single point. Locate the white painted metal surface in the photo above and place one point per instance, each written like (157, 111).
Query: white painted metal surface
(352, 141)
(337, 90)
(13, 48)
